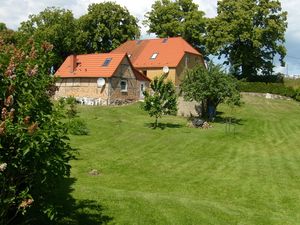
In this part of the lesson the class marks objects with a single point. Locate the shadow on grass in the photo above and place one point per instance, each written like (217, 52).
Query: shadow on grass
(71, 211)
(163, 126)
(232, 120)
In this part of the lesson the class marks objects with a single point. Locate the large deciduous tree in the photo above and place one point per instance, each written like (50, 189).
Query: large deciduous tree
(212, 85)
(105, 27)
(54, 25)
(249, 34)
(177, 18)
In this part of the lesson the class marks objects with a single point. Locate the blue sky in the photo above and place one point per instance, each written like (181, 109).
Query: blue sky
(12, 12)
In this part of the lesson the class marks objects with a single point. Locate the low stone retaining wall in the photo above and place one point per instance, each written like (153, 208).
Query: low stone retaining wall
(266, 95)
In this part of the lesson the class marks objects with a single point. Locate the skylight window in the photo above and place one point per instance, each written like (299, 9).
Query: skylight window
(165, 40)
(154, 55)
(107, 61)
(139, 42)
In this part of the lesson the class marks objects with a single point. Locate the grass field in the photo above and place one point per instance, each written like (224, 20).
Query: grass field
(294, 83)
(181, 175)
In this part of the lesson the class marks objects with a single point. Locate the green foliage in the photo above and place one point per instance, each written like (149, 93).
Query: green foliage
(297, 96)
(161, 100)
(177, 18)
(7, 36)
(105, 27)
(277, 78)
(212, 85)
(249, 34)
(34, 149)
(54, 25)
(2, 27)
(272, 88)
(77, 126)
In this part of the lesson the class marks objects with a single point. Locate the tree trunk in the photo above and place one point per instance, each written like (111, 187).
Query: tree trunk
(211, 112)
(156, 122)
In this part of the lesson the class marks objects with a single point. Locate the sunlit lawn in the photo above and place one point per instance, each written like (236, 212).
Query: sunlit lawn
(181, 175)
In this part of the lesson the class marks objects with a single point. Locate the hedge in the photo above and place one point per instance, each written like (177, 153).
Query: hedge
(272, 88)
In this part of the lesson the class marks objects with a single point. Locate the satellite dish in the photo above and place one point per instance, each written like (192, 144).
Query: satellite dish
(166, 69)
(100, 82)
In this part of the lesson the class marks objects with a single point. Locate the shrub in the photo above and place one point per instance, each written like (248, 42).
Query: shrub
(297, 97)
(78, 126)
(34, 149)
(277, 78)
(272, 88)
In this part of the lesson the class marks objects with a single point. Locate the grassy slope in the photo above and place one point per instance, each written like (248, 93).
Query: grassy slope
(294, 83)
(181, 175)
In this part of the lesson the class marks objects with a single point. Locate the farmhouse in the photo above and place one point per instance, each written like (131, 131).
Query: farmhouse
(100, 79)
(152, 55)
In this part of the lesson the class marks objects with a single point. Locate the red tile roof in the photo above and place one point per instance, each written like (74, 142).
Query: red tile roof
(169, 52)
(139, 76)
(90, 65)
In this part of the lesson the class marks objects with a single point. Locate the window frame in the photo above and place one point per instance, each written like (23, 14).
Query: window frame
(126, 86)
(106, 62)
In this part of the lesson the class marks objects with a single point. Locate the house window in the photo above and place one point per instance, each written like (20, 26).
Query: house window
(145, 72)
(123, 85)
(107, 61)
(154, 55)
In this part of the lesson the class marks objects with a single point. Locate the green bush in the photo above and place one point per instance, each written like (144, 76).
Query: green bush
(272, 88)
(297, 97)
(34, 148)
(277, 78)
(78, 126)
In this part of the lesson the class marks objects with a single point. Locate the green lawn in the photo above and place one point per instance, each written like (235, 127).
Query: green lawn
(181, 175)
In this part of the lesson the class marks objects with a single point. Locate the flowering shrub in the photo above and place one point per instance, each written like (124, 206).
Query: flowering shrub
(34, 151)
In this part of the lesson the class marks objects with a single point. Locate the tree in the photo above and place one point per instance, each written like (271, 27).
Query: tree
(2, 27)
(212, 85)
(34, 150)
(161, 100)
(8, 36)
(54, 25)
(249, 34)
(105, 27)
(177, 18)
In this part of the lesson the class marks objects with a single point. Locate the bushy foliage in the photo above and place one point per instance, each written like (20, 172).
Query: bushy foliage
(277, 78)
(249, 34)
(34, 149)
(272, 88)
(297, 96)
(212, 85)
(161, 99)
(54, 25)
(77, 126)
(105, 27)
(177, 18)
